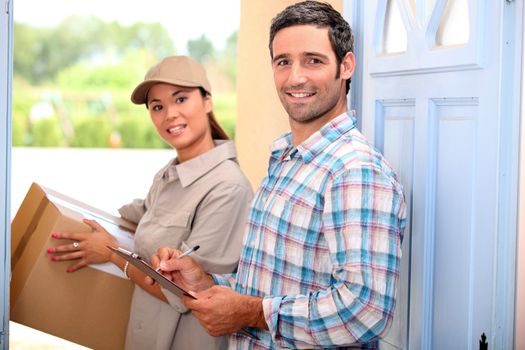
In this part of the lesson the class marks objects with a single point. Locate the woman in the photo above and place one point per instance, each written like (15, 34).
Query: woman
(199, 198)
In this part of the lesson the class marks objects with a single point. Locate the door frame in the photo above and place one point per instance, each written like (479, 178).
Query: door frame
(519, 327)
(6, 69)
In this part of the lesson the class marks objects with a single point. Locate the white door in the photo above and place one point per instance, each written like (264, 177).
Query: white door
(6, 54)
(437, 90)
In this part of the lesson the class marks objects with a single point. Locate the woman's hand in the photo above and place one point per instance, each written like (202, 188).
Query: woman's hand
(89, 248)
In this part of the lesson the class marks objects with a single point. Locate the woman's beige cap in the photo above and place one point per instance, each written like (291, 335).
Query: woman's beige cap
(176, 70)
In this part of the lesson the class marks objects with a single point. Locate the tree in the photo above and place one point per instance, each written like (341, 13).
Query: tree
(201, 49)
(40, 53)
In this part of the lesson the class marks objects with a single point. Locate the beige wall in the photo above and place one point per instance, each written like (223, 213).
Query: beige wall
(260, 116)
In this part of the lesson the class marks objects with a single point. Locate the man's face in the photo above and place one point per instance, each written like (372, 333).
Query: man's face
(305, 66)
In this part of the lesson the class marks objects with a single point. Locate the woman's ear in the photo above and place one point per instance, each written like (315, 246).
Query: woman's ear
(208, 103)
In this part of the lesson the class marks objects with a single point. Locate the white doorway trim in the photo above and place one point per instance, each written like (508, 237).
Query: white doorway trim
(6, 65)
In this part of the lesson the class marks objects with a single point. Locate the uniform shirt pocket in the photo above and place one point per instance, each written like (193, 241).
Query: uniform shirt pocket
(177, 219)
(163, 229)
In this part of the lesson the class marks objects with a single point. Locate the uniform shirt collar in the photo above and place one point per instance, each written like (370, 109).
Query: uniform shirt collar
(283, 147)
(191, 170)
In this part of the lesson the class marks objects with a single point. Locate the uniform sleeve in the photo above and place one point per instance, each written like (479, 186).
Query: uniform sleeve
(363, 223)
(218, 227)
(133, 211)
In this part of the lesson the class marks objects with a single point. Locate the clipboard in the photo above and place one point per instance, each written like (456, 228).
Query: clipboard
(143, 266)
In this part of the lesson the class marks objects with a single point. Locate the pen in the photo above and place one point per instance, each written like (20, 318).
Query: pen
(187, 252)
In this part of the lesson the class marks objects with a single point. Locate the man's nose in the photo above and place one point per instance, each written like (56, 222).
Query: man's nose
(297, 75)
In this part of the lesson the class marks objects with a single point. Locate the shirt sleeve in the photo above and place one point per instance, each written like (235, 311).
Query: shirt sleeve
(133, 211)
(363, 223)
(218, 228)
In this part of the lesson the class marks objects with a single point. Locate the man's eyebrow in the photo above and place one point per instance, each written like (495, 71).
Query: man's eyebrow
(281, 56)
(304, 54)
(316, 54)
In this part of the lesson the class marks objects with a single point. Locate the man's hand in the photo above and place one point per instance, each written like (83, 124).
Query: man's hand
(222, 311)
(184, 271)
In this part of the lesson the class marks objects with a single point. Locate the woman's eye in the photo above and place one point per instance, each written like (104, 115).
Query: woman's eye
(156, 108)
(180, 100)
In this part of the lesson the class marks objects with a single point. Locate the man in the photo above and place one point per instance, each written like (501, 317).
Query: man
(321, 253)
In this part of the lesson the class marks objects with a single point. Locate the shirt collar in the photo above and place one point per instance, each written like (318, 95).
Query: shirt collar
(317, 142)
(191, 170)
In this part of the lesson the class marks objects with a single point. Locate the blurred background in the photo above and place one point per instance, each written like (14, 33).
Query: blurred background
(74, 127)
(76, 63)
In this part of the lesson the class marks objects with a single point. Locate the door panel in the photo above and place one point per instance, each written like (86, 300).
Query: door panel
(430, 98)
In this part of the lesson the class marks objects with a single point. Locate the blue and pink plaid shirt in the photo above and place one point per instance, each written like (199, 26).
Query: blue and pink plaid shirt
(323, 243)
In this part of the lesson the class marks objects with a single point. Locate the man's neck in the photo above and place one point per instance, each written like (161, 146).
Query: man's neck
(302, 131)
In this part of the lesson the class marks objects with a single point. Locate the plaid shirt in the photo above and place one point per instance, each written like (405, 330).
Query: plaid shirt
(323, 243)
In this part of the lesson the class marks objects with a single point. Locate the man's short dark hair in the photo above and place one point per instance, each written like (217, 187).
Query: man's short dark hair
(320, 14)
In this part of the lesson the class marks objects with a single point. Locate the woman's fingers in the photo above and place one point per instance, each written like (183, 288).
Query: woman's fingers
(68, 256)
(77, 266)
(71, 247)
(94, 225)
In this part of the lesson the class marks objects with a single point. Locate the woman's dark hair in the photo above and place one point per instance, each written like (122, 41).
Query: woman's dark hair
(217, 132)
(323, 15)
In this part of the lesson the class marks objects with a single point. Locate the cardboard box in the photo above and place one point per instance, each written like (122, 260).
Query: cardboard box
(90, 306)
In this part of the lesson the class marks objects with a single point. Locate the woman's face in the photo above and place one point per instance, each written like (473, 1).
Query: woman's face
(180, 115)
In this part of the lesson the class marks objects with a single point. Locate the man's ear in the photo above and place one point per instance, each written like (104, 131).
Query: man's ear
(347, 66)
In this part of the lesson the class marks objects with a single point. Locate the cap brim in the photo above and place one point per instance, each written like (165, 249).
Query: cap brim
(140, 94)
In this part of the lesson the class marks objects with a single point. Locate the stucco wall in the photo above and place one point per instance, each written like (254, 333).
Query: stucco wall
(260, 117)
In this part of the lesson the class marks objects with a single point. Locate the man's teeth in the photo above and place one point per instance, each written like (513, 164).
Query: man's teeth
(175, 129)
(300, 94)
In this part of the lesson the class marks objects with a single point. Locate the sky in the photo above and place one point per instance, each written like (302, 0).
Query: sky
(189, 19)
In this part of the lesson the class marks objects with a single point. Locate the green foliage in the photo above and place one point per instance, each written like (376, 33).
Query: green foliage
(225, 110)
(139, 132)
(40, 53)
(22, 102)
(86, 69)
(201, 49)
(18, 132)
(229, 59)
(47, 133)
(92, 132)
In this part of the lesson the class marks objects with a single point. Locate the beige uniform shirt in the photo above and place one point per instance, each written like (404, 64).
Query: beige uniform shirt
(203, 201)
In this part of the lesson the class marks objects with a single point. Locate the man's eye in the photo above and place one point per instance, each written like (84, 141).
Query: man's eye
(314, 61)
(282, 63)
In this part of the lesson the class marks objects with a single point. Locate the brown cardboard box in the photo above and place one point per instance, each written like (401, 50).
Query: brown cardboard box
(90, 306)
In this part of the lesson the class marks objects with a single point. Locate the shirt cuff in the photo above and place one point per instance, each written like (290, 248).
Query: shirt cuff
(220, 280)
(271, 306)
